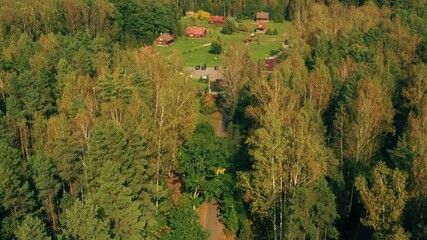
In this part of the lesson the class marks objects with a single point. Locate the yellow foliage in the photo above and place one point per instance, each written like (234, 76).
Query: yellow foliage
(200, 14)
(219, 171)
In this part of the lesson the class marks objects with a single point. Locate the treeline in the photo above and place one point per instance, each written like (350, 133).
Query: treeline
(126, 21)
(100, 140)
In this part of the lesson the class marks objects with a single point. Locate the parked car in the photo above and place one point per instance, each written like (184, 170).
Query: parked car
(216, 67)
(204, 67)
(197, 67)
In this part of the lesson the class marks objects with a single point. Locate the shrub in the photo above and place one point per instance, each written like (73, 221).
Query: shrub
(216, 47)
(243, 28)
(230, 26)
(271, 31)
(275, 32)
(208, 105)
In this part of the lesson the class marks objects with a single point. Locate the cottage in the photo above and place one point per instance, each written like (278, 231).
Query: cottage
(216, 20)
(165, 39)
(262, 16)
(196, 32)
(262, 26)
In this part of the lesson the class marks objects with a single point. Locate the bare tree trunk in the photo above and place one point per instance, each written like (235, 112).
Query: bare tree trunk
(52, 211)
(281, 207)
(351, 199)
(274, 202)
(70, 183)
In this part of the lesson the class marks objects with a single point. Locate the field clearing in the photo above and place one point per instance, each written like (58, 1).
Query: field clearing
(196, 51)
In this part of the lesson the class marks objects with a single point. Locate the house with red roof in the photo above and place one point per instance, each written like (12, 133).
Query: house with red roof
(216, 20)
(196, 32)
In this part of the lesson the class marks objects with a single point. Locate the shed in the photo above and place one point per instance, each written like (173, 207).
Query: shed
(165, 39)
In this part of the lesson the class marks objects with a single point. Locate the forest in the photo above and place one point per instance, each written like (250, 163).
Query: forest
(103, 137)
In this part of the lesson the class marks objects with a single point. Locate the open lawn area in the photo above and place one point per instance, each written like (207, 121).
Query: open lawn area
(196, 51)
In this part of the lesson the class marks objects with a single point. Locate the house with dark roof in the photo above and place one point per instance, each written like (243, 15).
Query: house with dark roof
(196, 32)
(262, 16)
(165, 39)
(216, 20)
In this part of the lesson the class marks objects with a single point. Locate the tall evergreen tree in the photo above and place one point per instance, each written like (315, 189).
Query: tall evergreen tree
(47, 184)
(120, 209)
(32, 228)
(84, 220)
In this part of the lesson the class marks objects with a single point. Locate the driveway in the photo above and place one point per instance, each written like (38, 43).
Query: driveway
(209, 72)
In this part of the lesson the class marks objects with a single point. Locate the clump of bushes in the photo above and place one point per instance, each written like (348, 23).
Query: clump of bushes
(243, 27)
(208, 105)
(230, 26)
(271, 31)
(216, 47)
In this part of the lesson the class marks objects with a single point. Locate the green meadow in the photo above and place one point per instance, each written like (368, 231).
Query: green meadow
(196, 51)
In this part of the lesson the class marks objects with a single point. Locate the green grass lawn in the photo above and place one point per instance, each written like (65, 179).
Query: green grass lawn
(194, 53)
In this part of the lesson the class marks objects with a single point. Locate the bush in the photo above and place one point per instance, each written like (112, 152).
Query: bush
(230, 26)
(271, 31)
(243, 28)
(229, 214)
(208, 105)
(275, 32)
(216, 47)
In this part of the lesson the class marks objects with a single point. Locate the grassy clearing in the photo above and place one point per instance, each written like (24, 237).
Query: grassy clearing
(194, 53)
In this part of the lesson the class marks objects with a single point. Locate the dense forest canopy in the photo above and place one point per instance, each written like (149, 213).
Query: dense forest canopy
(103, 137)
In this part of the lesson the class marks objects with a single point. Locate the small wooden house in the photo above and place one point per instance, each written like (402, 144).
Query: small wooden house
(196, 32)
(262, 16)
(165, 39)
(262, 26)
(216, 20)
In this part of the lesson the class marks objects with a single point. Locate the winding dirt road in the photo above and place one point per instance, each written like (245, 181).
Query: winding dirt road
(208, 213)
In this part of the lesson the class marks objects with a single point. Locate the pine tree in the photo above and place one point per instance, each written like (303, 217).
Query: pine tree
(16, 196)
(115, 199)
(64, 149)
(32, 228)
(84, 220)
(45, 178)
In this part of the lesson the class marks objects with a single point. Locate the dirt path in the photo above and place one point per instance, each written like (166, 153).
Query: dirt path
(208, 212)
(208, 218)
(219, 125)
